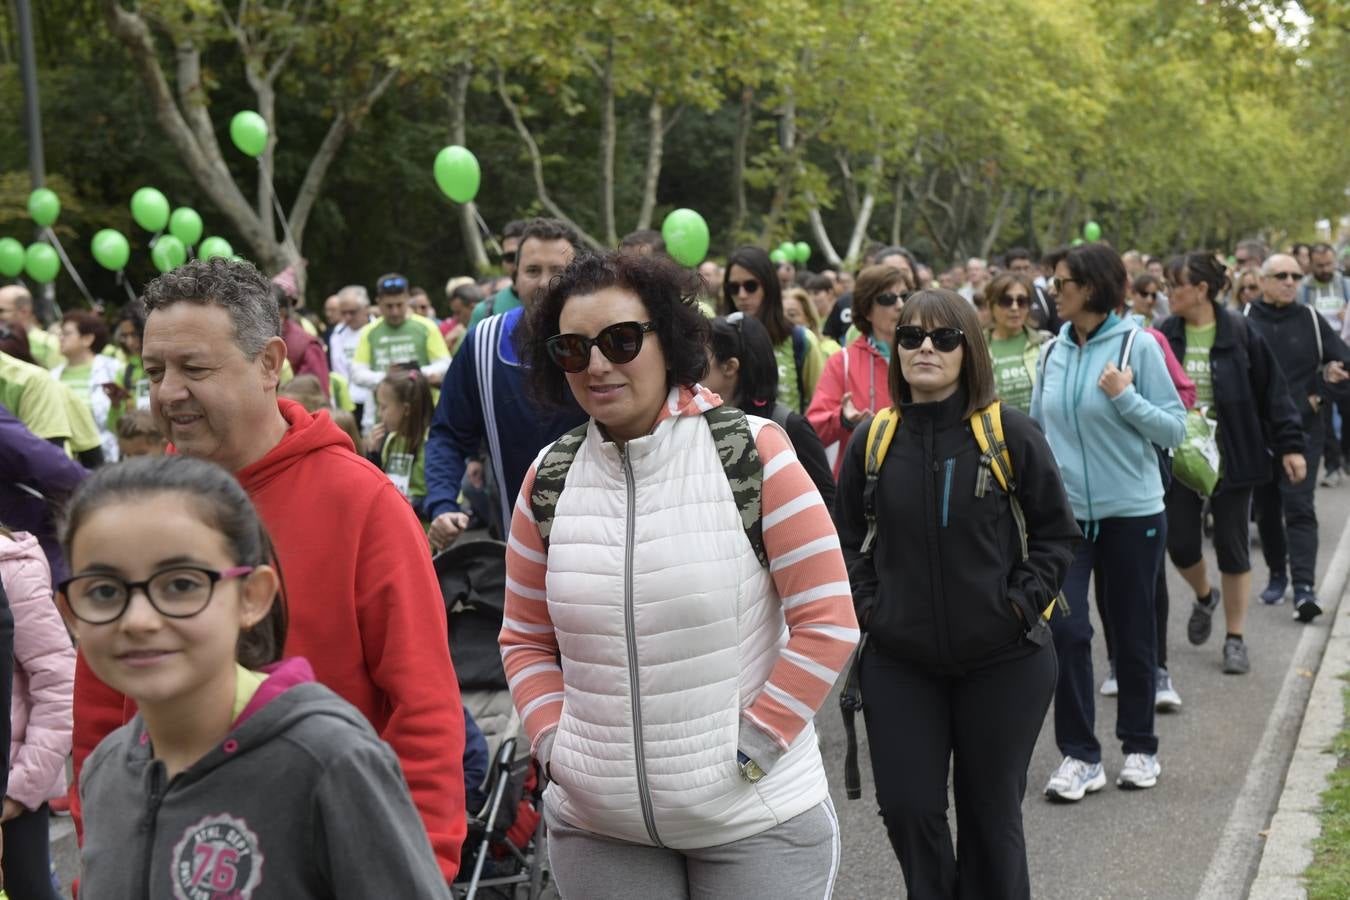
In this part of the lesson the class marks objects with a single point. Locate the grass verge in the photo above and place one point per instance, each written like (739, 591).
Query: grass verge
(1328, 878)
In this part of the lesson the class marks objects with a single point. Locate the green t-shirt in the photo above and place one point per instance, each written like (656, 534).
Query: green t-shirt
(1011, 378)
(504, 300)
(1199, 341)
(381, 345)
(77, 379)
(404, 469)
(45, 347)
(35, 398)
(813, 363)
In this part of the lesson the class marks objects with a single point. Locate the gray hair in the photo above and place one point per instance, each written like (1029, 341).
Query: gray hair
(358, 291)
(236, 287)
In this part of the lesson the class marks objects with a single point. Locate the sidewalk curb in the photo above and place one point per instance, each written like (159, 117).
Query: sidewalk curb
(1257, 841)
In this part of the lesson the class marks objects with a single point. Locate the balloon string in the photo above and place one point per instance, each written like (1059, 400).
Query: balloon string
(74, 275)
(487, 232)
(121, 279)
(276, 204)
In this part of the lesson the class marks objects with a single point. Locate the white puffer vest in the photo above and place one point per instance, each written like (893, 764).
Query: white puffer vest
(668, 627)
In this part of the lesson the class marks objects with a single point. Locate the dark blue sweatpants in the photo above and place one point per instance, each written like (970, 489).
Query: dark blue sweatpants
(1127, 552)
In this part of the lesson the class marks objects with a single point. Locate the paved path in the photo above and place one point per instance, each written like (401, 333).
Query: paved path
(1154, 844)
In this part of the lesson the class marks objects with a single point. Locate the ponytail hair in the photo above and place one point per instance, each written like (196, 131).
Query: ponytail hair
(411, 389)
(222, 504)
(1201, 267)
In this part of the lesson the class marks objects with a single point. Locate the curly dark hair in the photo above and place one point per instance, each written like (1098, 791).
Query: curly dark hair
(237, 287)
(667, 290)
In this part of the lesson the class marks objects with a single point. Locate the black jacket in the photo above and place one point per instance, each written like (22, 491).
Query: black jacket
(1289, 332)
(1251, 397)
(946, 576)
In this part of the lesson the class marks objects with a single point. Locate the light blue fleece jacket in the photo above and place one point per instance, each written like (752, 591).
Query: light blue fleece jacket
(1104, 446)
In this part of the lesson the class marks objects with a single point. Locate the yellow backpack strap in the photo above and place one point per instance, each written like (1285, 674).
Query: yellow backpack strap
(879, 436)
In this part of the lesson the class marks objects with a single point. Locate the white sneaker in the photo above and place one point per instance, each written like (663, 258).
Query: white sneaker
(1165, 696)
(1110, 687)
(1073, 779)
(1141, 771)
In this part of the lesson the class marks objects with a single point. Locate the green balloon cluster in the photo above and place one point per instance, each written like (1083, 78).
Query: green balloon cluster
(41, 262)
(457, 173)
(793, 253)
(111, 249)
(1092, 231)
(215, 246)
(686, 235)
(150, 209)
(168, 253)
(11, 257)
(186, 225)
(248, 130)
(44, 206)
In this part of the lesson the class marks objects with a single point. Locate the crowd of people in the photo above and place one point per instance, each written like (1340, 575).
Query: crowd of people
(718, 490)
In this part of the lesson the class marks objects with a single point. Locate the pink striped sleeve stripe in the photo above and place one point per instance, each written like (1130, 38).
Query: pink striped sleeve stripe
(808, 570)
(529, 648)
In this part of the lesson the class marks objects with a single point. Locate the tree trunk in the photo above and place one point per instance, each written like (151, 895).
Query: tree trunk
(608, 140)
(991, 235)
(743, 122)
(651, 173)
(787, 169)
(897, 215)
(468, 220)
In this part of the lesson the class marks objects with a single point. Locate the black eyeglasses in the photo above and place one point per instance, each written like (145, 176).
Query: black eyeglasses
(945, 340)
(620, 343)
(396, 284)
(1008, 301)
(1286, 276)
(890, 298)
(177, 593)
(1241, 260)
(1148, 295)
(1060, 282)
(734, 287)
(508, 256)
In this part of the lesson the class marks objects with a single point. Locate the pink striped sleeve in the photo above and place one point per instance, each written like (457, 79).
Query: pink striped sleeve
(529, 647)
(808, 570)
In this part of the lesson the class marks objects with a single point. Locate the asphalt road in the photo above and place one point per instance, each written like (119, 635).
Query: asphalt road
(1154, 844)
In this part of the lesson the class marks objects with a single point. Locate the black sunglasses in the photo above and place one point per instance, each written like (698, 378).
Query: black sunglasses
(395, 285)
(620, 343)
(890, 298)
(1060, 282)
(734, 287)
(1148, 295)
(1286, 276)
(508, 256)
(1008, 301)
(945, 340)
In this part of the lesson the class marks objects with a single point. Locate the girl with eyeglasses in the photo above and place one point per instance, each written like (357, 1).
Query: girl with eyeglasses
(1014, 344)
(957, 667)
(239, 775)
(666, 668)
(856, 383)
(1147, 300)
(750, 285)
(1106, 403)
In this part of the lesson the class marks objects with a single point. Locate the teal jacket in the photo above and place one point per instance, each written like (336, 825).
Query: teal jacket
(1105, 446)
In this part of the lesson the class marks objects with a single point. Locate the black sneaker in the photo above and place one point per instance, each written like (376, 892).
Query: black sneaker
(1306, 607)
(1274, 593)
(1235, 660)
(1202, 618)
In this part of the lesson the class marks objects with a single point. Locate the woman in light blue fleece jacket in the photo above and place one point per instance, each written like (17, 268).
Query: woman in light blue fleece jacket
(1104, 415)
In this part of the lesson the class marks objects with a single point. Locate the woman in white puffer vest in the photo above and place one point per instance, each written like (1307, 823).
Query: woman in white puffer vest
(666, 677)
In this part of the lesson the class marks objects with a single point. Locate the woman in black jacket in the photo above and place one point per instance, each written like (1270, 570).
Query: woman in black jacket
(742, 369)
(958, 663)
(1239, 383)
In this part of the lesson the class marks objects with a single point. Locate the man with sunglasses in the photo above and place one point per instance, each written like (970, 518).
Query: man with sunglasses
(505, 299)
(398, 337)
(485, 401)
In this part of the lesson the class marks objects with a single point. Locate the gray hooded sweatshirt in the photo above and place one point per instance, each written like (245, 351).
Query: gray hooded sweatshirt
(301, 800)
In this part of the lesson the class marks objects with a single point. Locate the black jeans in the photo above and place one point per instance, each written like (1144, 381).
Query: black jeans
(1335, 449)
(1131, 551)
(27, 865)
(1286, 518)
(986, 721)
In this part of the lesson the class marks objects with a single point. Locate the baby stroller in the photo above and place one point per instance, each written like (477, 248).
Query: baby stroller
(503, 855)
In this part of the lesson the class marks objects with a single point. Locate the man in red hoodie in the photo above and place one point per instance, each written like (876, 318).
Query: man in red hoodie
(364, 601)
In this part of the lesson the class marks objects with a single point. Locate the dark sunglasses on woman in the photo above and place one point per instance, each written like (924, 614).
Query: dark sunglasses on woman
(945, 340)
(619, 343)
(1008, 301)
(734, 287)
(890, 299)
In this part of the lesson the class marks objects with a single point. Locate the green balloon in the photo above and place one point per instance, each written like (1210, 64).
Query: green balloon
(215, 246)
(41, 262)
(186, 225)
(1092, 231)
(789, 251)
(11, 257)
(150, 209)
(248, 130)
(44, 206)
(457, 173)
(778, 256)
(1076, 242)
(802, 252)
(168, 253)
(686, 235)
(111, 249)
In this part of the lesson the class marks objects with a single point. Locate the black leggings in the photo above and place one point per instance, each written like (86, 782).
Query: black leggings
(1232, 511)
(986, 722)
(1161, 605)
(27, 865)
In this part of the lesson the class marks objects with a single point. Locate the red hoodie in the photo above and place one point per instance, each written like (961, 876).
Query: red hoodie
(375, 633)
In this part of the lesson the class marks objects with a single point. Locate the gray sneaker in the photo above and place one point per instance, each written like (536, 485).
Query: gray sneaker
(1202, 618)
(1235, 660)
(1165, 696)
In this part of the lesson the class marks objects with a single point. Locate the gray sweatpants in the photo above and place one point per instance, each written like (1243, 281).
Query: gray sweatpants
(802, 852)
